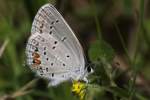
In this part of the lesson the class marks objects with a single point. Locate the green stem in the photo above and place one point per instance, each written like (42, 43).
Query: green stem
(95, 13)
(135, 71)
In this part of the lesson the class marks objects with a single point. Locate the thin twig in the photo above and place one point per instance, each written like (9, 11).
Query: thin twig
(22, 91)
(123, 65)
(2, 49)
(95, 13)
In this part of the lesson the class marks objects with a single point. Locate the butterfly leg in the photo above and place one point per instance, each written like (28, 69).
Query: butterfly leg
(85, 79)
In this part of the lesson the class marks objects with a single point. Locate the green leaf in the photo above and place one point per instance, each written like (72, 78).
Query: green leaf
(100, 49)
(94, 92)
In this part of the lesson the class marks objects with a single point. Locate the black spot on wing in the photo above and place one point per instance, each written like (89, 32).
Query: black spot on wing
(44, 48)
(51, 27)
(47, 59)
(46, 69)
(53, 47)
(52, 74)
(44, 53)
(64, 64)
(52, 64)
(55, 42)
(67, 56)
(50, 32)
(57, 21)
(36, 49)
(52, 22)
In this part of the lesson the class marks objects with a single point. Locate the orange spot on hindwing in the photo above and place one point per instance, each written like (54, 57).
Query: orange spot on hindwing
(35, 55)
(36, 59)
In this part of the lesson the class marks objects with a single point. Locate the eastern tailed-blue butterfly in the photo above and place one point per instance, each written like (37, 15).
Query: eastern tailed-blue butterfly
(53, 51)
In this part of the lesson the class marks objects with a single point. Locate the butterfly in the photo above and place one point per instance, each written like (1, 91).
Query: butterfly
(53, 51)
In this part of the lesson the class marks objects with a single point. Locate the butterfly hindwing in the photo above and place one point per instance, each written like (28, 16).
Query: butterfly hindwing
(51, 65)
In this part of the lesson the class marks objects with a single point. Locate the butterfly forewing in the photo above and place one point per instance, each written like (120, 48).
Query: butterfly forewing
(54, 24)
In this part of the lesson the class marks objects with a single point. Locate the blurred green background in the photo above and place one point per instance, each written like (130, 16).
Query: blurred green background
(115, 35)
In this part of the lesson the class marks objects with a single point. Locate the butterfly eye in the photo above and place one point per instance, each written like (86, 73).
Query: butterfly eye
(89, 69)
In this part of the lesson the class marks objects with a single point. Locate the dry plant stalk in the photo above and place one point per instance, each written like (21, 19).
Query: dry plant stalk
(3, 47)
(22, 91)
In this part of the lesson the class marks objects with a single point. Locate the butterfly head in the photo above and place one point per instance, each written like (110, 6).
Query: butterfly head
(83, 75)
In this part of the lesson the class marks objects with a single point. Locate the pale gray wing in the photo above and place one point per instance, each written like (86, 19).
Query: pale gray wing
(49, 21)
(55, 64)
